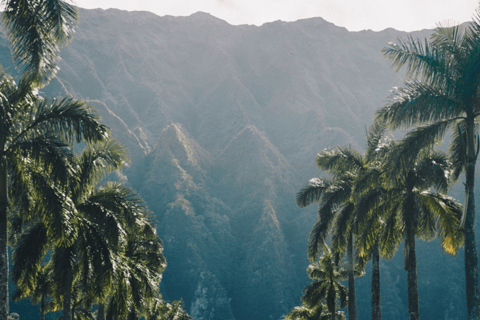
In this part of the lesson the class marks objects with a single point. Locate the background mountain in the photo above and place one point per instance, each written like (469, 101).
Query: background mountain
(223, 124)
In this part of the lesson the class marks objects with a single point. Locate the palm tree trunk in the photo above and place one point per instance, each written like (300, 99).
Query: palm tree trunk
(3, 241)
(376, 309)
(332, 308)
(352, 303)
(101, 311)
(471, 258)
(67, 296)
(413, 308)
(42, 308)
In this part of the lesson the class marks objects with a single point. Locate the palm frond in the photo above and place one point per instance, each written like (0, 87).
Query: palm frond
(420, 59)
(95, 162)
(426, 217)
(36, 29)
(418, 103)
(448, 214)
(337, 160)
(300, 313)
(27, 258)
(320, 230)
(448, 38)
(312, 192)
(70, 119)
(434, 170)
(342, 227)
(377, 140)
(57, 211)
(393, 231)
(47, 152)
(404, 154)
(61, 18)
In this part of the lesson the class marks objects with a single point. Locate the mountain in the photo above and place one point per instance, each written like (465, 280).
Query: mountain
(223, 124)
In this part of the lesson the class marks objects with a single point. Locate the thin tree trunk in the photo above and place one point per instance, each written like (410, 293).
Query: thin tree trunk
(332, 307)
(67, 296)
(471, 258)
(352, 303)
(4, 298)
(413, 308)
(101, 311)
(42, 308)
(376, 301)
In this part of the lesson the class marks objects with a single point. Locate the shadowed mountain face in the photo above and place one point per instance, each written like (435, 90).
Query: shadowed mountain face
(223, 124)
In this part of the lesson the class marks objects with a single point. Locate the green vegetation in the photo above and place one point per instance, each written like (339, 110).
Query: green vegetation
(89, 248)
(326, 293)
(77, 242)
(442, 97)
(397, 192)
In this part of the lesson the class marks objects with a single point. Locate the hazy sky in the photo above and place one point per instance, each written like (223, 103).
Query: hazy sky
(407, 15)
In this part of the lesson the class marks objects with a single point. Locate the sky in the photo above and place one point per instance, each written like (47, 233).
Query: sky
(355, 15)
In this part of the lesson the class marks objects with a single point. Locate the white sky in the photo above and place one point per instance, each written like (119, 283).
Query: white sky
(355, 15)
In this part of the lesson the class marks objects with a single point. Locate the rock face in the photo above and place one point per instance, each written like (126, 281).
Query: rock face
(223, 124)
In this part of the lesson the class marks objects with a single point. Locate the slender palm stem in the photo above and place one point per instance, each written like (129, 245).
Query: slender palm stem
(471, 258)
(42, 308)
(413, 308)
(4, 298)
(332, 309)
(67, 296)
(352, 304)
(101, 312)
(376, 301)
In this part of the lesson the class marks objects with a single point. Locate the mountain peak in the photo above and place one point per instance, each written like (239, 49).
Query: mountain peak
(207, 18)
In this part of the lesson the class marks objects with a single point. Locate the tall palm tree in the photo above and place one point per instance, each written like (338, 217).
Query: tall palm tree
(335, 209)
(34, 133)
(326, 286)
(370, 197)
(416, 211)
(442, 96)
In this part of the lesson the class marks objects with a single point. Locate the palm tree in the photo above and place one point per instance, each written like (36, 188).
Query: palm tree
(336, 211)
(326, 286)
(442, 97)
(36, 29)
(370, 197)
(31, 133)
(416, 211)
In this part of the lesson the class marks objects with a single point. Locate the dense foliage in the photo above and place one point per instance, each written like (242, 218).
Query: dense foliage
(77, 242)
